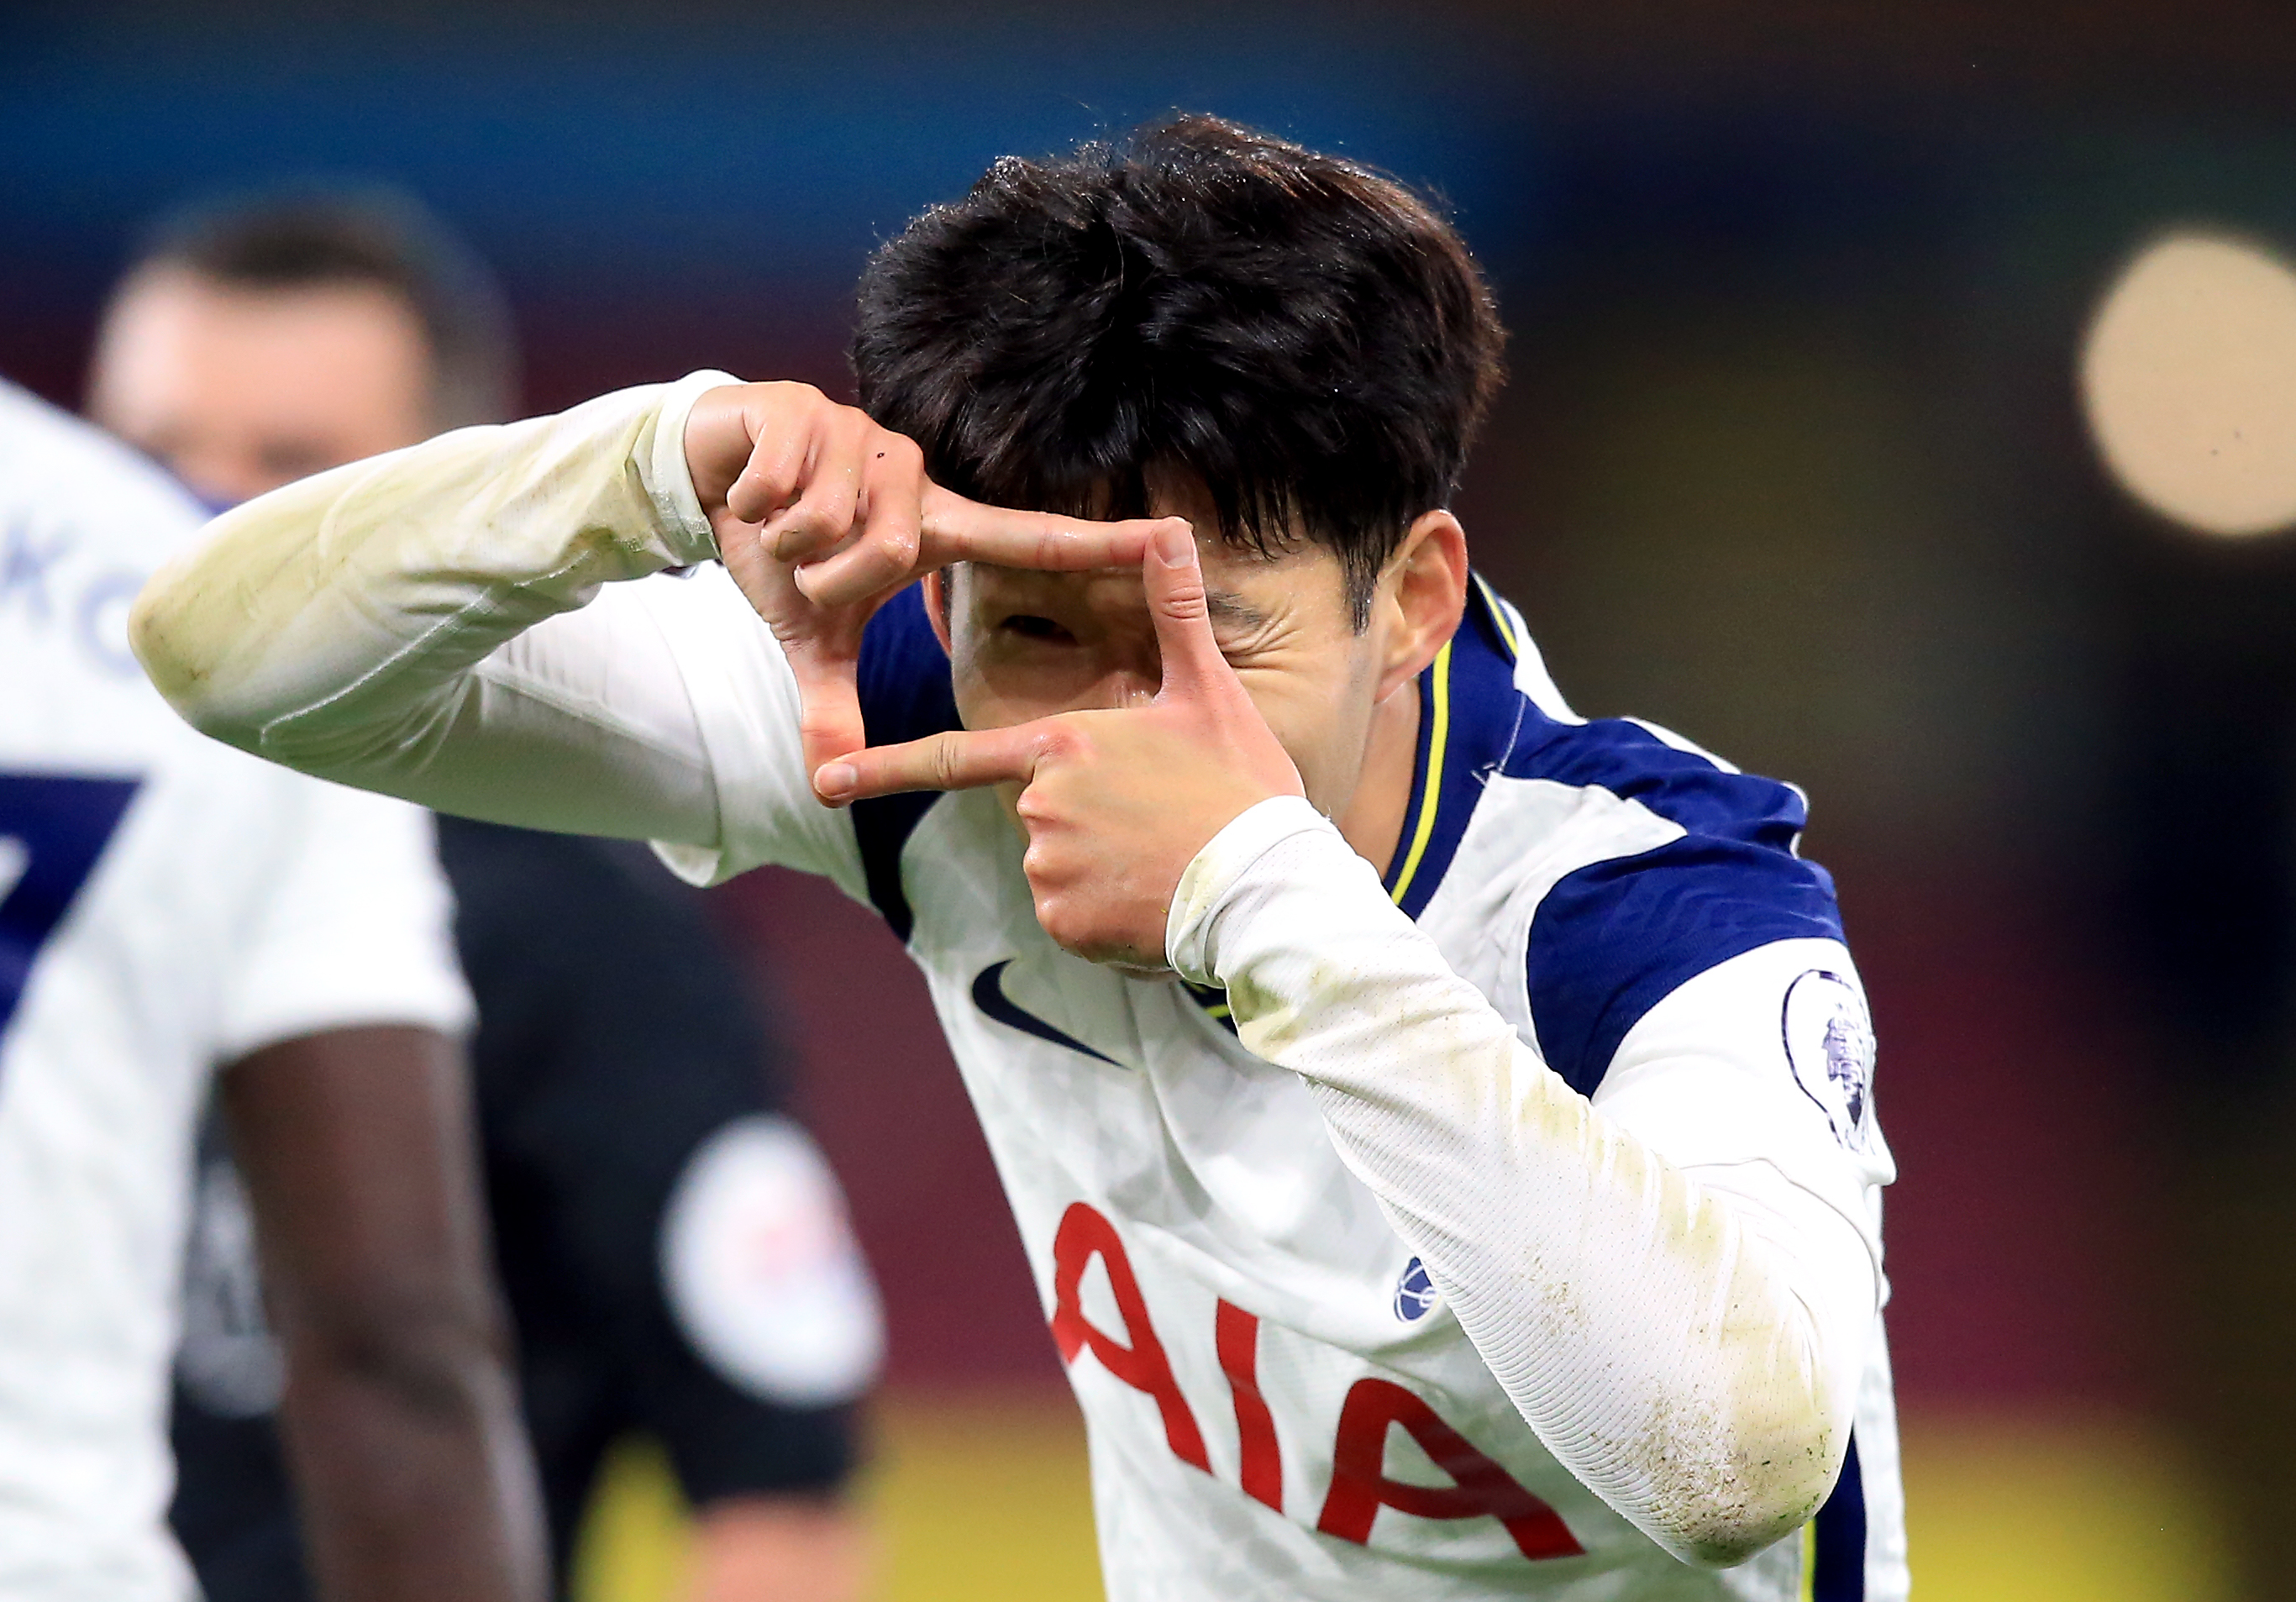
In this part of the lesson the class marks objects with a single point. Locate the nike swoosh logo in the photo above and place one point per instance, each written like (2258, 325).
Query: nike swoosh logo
(989, 995)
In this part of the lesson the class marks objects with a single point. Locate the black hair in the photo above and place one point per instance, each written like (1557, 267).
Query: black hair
(1308, 338)
(309, 238)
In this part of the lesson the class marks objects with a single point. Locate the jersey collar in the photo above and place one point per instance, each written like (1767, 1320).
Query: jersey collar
(1469, 712)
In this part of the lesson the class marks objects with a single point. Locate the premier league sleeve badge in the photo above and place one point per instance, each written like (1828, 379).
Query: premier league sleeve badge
(1829, 1044)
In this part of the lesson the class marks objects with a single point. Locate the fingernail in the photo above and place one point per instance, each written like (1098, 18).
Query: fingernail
(835, 779)
(1175, 544)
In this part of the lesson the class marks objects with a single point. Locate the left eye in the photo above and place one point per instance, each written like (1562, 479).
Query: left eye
(1029, 627)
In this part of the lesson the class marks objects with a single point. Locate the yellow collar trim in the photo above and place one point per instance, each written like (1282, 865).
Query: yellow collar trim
(1431, 793)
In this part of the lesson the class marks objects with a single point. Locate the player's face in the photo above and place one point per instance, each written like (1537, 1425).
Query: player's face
(1025, 644)
(239, 391)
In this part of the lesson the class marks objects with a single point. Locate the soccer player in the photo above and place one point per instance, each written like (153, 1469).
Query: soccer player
(674, 1248)
(1441, 1126)
(173, 913)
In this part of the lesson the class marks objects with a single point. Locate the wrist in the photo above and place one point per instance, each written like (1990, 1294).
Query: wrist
(1209, 883)
(683, 496)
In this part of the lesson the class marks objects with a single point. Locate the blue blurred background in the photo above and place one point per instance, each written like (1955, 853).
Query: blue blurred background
(1791, 461)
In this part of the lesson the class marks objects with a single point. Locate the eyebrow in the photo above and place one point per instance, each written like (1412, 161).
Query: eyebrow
(1225, 606)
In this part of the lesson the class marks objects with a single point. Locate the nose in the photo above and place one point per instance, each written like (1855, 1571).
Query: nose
(1123, 686)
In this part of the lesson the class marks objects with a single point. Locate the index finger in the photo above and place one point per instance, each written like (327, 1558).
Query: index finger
(958, 759)
(957, 530)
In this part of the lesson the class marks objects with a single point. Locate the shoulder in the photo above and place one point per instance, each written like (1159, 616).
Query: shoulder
(350, 917)
(83, 522)
(904, 674)
(1661, 773)
(53, 466)
(1628, 860)
(906, 695)
(1673, 862)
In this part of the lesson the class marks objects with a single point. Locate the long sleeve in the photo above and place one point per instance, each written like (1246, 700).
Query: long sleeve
(422, 623)
(1690, 1354)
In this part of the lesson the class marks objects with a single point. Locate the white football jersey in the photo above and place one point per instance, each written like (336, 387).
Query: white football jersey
(166, 905)
(1279, 1404)
(1283, 1396)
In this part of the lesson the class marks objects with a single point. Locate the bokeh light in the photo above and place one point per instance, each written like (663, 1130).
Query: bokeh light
(2189, 381)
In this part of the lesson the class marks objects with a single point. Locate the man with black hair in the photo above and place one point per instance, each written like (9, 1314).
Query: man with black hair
(674, 1248)
(1440, 1125)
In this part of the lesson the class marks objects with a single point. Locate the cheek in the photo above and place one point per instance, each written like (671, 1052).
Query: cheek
(1334, 714)
(981, 704)
(999, 700)
(999, 685)
(1321, 727)
(986, 692)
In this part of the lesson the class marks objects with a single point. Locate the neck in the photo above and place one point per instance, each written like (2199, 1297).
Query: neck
(1373, 820)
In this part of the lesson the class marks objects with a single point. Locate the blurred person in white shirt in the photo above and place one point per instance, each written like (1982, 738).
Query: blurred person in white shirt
(175, 917)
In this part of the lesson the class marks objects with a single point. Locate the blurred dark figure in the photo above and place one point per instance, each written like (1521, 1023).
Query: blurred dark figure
(674, 1250)
(2208, 829)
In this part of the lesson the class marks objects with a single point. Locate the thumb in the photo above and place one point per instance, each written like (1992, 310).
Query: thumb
(1174, 575)
(829, 702)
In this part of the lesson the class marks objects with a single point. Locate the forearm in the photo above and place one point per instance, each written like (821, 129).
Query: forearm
(410, 1464)
(1663, 1350)
(399, 1414)
(779, 1548)
(359, 624)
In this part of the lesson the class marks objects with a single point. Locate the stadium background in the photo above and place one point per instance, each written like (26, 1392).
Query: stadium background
(1791, 461)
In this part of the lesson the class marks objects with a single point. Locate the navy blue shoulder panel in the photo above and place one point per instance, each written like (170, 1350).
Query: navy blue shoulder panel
(1613, 939)
(1838, 1561)
(906, 695)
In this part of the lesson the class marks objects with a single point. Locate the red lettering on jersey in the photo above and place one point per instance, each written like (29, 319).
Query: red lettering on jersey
(1360, 1487)
(1084, 1235)
(1237, 1332)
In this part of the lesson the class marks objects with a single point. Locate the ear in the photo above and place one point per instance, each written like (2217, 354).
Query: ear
(937, 597)
(1420, 598)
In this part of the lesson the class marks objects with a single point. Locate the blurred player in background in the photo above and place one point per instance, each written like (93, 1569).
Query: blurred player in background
(1440, 1125)
(174, 919)
(675, 1249)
